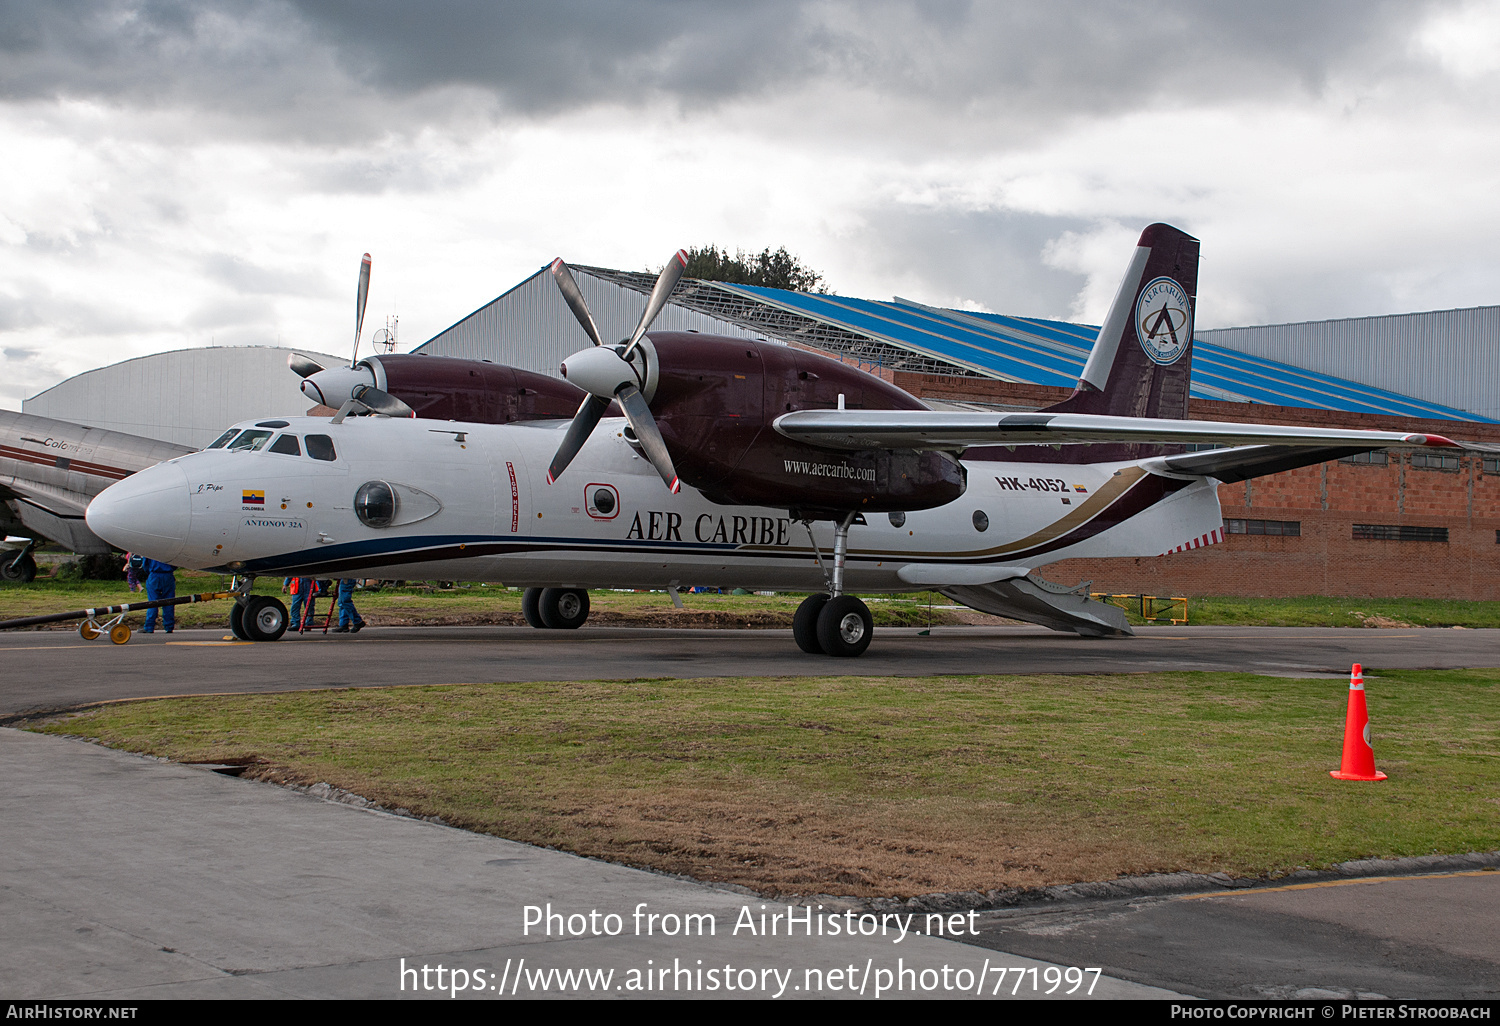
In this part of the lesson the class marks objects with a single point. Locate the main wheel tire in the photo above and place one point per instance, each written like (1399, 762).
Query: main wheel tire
(22, 573)
(531, 601)
(237, 620)
(805, 623)
(564, 609)
(845, 626)
(264, 618)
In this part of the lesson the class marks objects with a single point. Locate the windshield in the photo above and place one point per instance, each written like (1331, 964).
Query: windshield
(250, 440)
(218, 443)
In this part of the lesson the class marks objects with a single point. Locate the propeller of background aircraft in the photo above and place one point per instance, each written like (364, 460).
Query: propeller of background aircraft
(360, 299)
(371, 398)
(612, 373)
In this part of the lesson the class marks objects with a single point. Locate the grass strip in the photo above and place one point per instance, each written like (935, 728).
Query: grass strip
(886, 786)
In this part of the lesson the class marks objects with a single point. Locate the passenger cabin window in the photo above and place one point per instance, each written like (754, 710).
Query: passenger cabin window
(286, 445)
(320, 447)
(250, 441)
(218, 443)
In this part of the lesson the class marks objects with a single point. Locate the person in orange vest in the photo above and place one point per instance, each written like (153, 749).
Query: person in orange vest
(302, 591)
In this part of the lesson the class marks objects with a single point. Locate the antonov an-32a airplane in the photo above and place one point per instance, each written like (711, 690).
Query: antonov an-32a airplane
(705, 460)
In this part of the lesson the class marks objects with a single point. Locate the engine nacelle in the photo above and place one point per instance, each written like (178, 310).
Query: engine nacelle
(714, 401)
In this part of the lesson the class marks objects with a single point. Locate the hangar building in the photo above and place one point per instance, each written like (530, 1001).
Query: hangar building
(1403, 523)
(186, 396)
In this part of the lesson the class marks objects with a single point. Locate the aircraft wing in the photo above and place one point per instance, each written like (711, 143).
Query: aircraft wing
(930, 429)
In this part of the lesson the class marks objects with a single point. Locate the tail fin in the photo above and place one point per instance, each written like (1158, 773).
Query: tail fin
(1142, 361)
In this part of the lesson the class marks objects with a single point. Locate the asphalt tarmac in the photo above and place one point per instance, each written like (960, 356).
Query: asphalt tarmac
(1429, 936)
(55, 669)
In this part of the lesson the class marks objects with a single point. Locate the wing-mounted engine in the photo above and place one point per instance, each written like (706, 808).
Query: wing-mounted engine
(445, 388)
(715, 398)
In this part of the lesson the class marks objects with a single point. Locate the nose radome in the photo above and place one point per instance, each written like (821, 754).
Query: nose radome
(148, 513)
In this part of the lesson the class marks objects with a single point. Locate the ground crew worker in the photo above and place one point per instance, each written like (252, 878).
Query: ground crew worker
(350, 621)
(302, 591)
(161, 583)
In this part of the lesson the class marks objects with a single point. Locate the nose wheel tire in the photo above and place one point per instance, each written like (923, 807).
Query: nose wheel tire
(237, 621)
(263, 618)
(845, 626)
(563, 609)
(531, 607)
(805, 624)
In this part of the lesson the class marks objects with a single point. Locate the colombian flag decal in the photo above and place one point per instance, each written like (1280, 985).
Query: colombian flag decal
(254, 498)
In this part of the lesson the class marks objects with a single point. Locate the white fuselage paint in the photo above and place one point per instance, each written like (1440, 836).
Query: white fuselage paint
(494, 499)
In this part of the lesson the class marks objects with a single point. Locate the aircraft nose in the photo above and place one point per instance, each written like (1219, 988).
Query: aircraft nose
(149, 513)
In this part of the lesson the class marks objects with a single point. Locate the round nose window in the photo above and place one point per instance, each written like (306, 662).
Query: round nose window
(375, 504)
(981, 522)
(897, 519)
(604, 501)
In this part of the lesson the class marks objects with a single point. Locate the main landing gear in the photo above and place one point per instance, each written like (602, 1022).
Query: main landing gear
(558, 609)
(833, 623)
(20, 568)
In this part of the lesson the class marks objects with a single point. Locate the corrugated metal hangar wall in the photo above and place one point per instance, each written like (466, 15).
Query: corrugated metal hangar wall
(187, 396)
(1444, 356)
(532, 328)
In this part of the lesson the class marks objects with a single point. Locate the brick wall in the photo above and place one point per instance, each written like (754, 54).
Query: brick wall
(1327, 500)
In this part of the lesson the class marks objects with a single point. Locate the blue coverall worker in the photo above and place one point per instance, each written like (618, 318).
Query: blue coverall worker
(161, 583)
(302, 591)
(350, 621)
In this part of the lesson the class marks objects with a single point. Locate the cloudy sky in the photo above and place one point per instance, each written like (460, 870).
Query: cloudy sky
(180, 174)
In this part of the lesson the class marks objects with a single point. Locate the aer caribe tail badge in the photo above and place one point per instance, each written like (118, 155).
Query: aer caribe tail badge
(1164, 320)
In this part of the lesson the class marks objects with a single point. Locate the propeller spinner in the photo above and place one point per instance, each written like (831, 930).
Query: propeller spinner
(609, 373)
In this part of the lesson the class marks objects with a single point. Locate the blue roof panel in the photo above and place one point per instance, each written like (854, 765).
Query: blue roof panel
(1047, 352)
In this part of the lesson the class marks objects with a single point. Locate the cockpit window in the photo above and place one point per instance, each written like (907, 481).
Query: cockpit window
(250, 441)
(286, 445)
(218, 443)
(320, 447)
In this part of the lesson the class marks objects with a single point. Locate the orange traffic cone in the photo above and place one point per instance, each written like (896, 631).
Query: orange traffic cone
(1359, 757)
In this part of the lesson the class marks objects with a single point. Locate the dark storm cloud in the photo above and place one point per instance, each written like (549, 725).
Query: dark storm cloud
(316, 66)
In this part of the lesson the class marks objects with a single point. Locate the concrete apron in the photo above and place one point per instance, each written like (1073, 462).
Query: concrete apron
(129, 878)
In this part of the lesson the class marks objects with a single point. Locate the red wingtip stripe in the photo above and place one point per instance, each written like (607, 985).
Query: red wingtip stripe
(1433, 440)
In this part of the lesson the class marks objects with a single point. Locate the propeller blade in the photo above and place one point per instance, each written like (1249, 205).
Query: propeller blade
(569, 288)
(588, 415)
(379, 401)
(359, 306)
(302, 366)
(647, 433)
(665, 283)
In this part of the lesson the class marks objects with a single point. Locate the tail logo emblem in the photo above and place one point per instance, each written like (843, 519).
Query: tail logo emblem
(1164, 320)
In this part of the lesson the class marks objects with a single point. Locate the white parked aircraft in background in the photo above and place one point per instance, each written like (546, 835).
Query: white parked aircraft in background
(702, 460)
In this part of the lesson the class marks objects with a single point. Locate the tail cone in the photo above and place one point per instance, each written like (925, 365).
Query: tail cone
(1359, 757)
